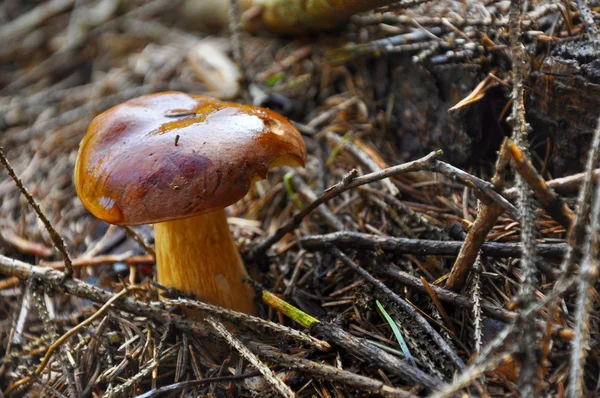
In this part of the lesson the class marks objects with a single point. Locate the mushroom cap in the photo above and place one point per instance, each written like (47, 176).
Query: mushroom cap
(171, 155)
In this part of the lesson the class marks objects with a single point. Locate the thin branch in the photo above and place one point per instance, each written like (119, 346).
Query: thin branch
(358, 241)
(487, 214)
(50, 329)
(275, 382)
(140, 241)
(367, 352)
(350, 181)
(563, 186)
(56, 238)
(477, 306)
(236, 28)
(549, 200)
(326, 372)
(239, 317)
(588, 21)
(193, 383)
(586, 273)
(486, 188)
(30, 20)
(53, 280)
(469, 376)
(485, 360)
(362, 157)
(584, 306)
(529, 371)
(474, 242)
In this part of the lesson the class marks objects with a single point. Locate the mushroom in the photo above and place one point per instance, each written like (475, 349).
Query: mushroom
(176, 161)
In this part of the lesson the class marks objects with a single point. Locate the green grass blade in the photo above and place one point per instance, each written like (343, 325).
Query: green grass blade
(397, 333)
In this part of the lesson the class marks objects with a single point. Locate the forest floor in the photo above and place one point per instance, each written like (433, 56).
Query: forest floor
(415, 268)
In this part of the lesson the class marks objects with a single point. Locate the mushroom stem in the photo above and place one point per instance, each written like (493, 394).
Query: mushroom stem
(198, 255)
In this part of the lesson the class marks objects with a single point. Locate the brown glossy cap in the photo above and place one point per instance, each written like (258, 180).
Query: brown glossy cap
(171, 155)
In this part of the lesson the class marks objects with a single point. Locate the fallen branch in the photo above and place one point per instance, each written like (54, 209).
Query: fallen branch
(360, 241)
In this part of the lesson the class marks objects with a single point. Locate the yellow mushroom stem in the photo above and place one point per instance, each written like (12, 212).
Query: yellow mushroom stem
(198, 256)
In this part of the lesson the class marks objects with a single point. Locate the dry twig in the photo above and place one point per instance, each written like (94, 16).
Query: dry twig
(271, 378)
(348, 182)
(56, 238)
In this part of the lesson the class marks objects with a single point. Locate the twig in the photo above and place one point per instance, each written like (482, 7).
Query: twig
(148, 368)
(68, 54)
(343, 377)
(486, 360)
(527, 342)
(563, 185)
(51, 280)
(549, 200)
(56, 238)
(400, 303)
(471, 181)
(235, 28)
(324, 116)
(349, 181)
(411, 216)
(588, 273)
(328, 217)
(488, 213)
(477, 306)
(438, 305)
(576, 232)
(357, 240)
(239, 317)
(361, 349)
(462, 301)
(588, 21)
(447, 295)
(144, 371)
(473, 373)
(271, 378)
(193, 383)
(99, 260)
(140, 241)
(474, 242)
(364, 159)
